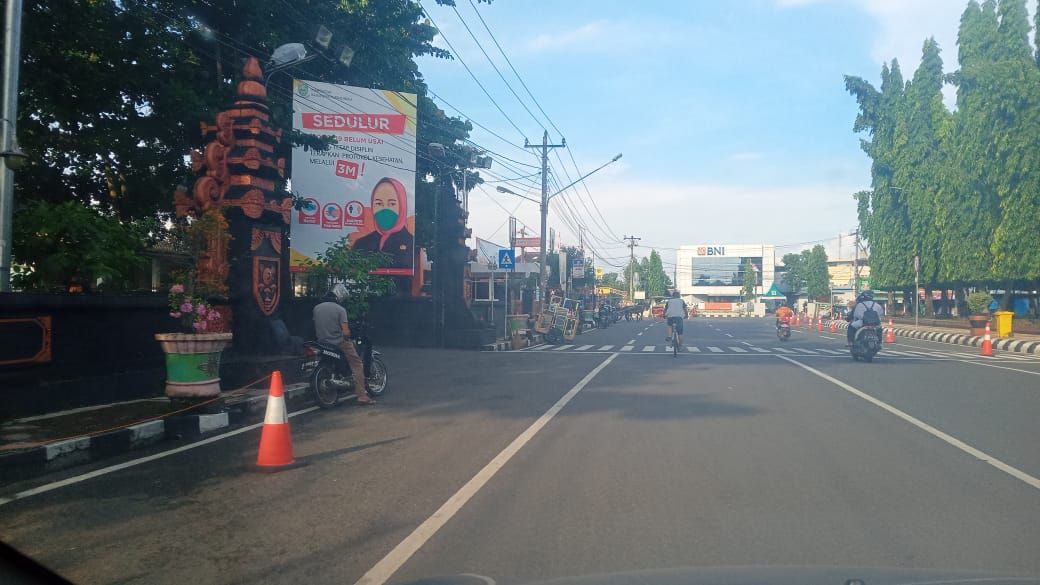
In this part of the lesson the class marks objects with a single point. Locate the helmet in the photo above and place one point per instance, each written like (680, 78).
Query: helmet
(675, 294)
(340, 292)
(867, 295)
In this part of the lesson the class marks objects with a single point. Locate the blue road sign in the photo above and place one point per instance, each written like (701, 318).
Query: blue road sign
(506, 260)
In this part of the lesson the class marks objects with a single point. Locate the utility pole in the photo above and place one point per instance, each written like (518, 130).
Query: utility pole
(631, 266)
(543, 281)
(8, 134)
(855, 264)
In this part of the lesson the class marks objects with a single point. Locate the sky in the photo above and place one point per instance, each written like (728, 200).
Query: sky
(732, 116)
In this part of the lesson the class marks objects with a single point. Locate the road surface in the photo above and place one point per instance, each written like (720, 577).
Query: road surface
(600, 457)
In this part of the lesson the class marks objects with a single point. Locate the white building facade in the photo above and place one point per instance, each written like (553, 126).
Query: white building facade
(711, 276)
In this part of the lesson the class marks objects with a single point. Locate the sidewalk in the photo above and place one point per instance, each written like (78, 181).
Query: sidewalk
(1020, 343)
(36, 445)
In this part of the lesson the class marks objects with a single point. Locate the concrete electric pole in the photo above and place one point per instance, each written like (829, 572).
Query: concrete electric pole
(543, 280)
(631, 266)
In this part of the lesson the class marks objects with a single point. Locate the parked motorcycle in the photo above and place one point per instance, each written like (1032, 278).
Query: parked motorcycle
(783, 331)
(866, 343)
(329, 373)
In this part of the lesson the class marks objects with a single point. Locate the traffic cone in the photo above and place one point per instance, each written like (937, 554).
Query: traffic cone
(987, 344)
(819, 324)
(890, 335)
(834, 326)
(275, 439)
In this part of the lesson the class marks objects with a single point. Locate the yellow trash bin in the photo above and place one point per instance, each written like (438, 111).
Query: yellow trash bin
(1003, 321)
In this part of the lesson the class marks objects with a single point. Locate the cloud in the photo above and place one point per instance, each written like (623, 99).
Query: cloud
(589, 32)
(745, 156)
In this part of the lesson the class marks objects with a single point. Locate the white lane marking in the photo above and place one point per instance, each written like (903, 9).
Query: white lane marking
(782, 350)
(650, 348)
(728, 335)
(630, 342)
(606, 347)
(714, 349)
(134, 462)
(561, 347)
(899, 353)
(980, 455)
(758, 349)
(803, 350)
(831, 351)
(540, 347)
(385, 568)
(693, 349)
(639, 334)
(583, 348)
(999, 367)
(746, 343)
(627, 348)
(737, 349)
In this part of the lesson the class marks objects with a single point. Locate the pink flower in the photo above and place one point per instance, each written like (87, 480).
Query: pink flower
(213, 316)
(186, 307)
(199, 325)
(177, 288)
(175, 315)
(200, 309)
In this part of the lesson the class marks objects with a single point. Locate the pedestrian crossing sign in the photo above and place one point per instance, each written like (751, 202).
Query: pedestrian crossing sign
(506, 260)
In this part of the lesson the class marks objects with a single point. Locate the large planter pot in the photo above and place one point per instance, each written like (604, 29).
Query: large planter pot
(978, 324)
(193, 363)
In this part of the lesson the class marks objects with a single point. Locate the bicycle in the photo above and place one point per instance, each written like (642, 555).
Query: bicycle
(675, 344)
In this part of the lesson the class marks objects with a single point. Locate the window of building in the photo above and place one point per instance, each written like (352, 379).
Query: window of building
(721, 271)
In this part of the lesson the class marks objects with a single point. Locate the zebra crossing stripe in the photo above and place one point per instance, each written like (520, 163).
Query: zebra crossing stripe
(562, 347)
(539, 347)
(759, 349)
(627, 348)
(802, 350)
(830, 351)
(605, 348)
(782, 350)
(649, 348)
(738, 349)
(714, 349)
(898, 353)
(583, 348)
(693, 349)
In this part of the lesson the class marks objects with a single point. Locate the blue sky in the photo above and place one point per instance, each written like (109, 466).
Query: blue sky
(732, 115)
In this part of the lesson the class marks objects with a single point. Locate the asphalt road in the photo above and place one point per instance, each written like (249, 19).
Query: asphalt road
(563, 461)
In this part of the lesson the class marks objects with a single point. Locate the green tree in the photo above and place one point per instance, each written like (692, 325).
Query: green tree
(342, 263)
(58, 244)
(750, 280)
(794, 274)
(611, 279)
(817, 278)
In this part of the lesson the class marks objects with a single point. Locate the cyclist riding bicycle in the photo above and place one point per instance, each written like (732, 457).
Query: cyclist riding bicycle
(674, 312)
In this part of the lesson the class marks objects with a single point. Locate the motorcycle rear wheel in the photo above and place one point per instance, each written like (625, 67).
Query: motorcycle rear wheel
(325, 392)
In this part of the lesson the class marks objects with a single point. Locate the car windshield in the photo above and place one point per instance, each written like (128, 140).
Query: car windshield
(485, 291)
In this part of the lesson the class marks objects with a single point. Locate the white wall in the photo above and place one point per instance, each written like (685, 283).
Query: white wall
(684, 271)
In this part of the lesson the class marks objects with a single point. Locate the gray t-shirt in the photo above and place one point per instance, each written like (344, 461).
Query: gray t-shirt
(328, 320)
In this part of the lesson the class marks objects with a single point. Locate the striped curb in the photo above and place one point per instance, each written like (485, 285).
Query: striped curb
(47, 457)
(1012, 345)
(508, 345)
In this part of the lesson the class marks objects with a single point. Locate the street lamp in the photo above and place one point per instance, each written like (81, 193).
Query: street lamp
(14, 157)
(510, 192)
(286, 56)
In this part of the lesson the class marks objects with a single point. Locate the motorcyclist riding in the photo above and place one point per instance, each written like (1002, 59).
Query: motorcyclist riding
(864, 303)
(331, 327)
(784, 314)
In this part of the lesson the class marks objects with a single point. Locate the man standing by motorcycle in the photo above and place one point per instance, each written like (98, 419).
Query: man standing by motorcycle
(332, 327)
(865, 312)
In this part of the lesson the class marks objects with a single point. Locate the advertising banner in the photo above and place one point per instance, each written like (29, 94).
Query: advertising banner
(578, 269)
(363, 186)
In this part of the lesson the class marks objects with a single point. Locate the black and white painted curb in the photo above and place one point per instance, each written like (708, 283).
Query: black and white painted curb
(728, 316)
(507, 345)
(1013, 345)
(57, 455)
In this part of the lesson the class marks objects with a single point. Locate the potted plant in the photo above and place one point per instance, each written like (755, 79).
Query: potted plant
(978, 308)
(193, 354)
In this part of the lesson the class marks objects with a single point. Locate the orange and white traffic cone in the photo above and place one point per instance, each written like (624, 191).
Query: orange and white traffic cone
(819, 324)
(275, 439)
(796, 321)
(834, 326)
(890, 335)
(987, 344)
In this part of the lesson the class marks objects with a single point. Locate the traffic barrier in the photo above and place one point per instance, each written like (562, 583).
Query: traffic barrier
(275, 439)
(890, 335)
(987, 344)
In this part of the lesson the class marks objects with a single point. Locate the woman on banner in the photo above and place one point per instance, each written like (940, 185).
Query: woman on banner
(389, 207)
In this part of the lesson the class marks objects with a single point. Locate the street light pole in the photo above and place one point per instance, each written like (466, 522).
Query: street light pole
(8, 133)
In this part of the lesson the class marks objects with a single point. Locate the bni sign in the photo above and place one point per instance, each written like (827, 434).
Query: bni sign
(711, 250)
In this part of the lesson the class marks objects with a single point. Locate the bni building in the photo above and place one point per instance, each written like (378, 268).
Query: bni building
(711, 276)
